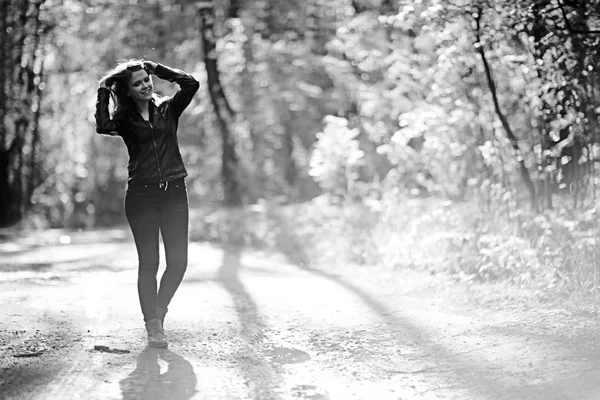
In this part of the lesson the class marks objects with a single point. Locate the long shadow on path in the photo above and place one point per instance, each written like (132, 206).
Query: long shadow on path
(25, 377)
(262, 380)
(453, 370)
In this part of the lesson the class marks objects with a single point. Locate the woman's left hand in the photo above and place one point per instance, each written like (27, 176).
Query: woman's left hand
(150, 66)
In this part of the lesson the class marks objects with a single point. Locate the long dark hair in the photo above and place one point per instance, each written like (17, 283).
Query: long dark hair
(117, 80)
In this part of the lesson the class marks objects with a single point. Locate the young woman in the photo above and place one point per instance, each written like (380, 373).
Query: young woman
(156, 199)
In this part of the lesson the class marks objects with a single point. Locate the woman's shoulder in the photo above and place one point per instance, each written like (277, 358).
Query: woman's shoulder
(123, 117)
(160, 100)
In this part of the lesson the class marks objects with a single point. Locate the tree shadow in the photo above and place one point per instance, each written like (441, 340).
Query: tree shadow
(99, 250)
(583, 386)
(19, 244)
(262, 379)
(26, 377)
(445, 360)
(148, 383)
(76, 265)
(470, 375)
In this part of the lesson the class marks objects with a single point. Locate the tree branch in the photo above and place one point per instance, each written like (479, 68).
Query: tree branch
(498, 109)
(568, 24)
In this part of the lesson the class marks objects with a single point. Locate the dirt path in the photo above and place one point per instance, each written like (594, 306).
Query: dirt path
(246, 325)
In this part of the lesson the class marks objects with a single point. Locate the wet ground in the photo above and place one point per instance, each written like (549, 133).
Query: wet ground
(249, 325)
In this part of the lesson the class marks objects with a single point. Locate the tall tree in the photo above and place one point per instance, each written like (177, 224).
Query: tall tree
(232, 187)
(21, 81)
(480, 47)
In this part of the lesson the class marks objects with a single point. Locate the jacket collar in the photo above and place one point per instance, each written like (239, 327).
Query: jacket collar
(151, 110)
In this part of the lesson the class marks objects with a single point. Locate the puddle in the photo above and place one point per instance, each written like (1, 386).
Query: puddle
(287, 355)
(309, 392)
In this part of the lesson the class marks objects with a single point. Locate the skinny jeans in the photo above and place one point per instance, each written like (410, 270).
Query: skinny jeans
(151, 209)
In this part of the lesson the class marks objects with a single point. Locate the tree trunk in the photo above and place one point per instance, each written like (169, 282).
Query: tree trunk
(33, 70)
(547, 178)
(503, 120)
(6, 148)
(248, 93)
(235, 6)
(7, 202)
(232, 188)
(3, 71)
(34, 177)
(290, 171)
(20, 96)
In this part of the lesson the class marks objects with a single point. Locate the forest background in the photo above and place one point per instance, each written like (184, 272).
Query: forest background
(457, 137)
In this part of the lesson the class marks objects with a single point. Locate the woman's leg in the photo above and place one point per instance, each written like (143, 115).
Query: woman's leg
(174, 221)
(142, 211)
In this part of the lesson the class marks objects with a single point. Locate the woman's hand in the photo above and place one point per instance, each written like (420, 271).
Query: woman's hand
(150, 66)
(103, 83)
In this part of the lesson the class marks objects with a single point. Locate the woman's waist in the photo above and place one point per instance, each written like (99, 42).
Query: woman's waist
(149, 183)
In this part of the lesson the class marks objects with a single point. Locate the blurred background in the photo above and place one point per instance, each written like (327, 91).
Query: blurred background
(459, 137)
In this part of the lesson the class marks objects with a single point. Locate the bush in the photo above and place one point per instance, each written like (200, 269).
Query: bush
(554, 251)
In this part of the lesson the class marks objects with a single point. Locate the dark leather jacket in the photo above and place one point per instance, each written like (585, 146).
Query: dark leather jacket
(154, 155)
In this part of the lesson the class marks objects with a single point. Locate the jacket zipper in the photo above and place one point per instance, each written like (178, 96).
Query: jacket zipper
(161, 184)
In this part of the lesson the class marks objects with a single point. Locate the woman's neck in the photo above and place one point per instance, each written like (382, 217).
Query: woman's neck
(142, 106)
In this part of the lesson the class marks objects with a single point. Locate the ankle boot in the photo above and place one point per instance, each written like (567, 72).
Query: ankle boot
(156, 335)
(160, 314)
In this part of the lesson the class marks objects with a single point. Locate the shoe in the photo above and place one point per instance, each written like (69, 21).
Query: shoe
(156, 335)
(160, 314)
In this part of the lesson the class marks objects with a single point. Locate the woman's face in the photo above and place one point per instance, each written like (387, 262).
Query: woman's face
(140, 85)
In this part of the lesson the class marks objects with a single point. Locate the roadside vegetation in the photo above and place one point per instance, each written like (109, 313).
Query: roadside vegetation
(553, 254)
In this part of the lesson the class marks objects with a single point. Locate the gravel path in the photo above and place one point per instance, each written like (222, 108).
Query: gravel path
(248, 325)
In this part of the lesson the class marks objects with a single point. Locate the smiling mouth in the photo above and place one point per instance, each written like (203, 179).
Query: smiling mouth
(146, 92)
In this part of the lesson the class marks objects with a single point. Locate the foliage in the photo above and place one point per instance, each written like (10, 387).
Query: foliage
(336, 156)
(554, 253)
(378, 111)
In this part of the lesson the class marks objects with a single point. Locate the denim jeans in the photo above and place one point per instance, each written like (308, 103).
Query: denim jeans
(151, 209)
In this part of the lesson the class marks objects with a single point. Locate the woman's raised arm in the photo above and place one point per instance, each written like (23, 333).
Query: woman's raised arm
(104, 123)
(188, 86)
